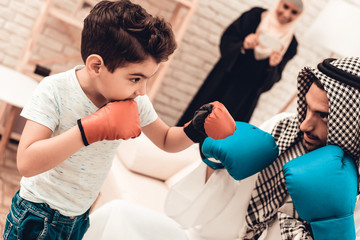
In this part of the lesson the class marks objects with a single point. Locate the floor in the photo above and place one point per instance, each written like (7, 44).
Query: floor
(9, 182)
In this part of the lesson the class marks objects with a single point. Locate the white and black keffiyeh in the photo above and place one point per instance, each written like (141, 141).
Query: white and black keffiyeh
(341, 81)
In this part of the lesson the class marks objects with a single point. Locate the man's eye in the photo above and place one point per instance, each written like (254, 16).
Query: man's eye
(324, 116)
(135, 80)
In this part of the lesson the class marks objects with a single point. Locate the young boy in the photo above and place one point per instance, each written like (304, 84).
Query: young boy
(75, 120)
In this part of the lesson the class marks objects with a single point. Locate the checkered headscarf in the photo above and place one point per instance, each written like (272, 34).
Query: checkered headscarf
(341, 81)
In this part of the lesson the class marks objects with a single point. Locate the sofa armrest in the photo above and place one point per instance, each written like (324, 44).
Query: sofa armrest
(140, 155)
(142, 173)
(182, 173)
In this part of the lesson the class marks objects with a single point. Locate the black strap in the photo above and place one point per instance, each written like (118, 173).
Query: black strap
(82, 132)
(338, 74)
(195, 130)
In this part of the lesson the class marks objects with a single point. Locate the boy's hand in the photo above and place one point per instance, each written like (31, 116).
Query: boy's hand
(115, 120)
(211, 120)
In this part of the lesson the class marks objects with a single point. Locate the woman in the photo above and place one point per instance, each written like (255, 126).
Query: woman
(254, 51)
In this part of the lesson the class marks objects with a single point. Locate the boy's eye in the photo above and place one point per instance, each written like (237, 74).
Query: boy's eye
(294, 12)
(285, 6)
(134, 79)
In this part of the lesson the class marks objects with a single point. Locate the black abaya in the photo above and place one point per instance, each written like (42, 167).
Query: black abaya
(238, 79)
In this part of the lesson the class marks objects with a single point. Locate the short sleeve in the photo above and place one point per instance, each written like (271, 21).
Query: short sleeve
(147, 113)
(42, 106)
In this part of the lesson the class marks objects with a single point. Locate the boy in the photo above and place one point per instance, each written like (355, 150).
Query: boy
(122, 46)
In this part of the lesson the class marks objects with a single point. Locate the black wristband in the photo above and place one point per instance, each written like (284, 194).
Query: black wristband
(195, 135)
(196, 130)
(82, 133)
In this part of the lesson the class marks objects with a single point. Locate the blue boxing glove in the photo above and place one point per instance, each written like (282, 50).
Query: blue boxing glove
(323, 186)
(247, 151)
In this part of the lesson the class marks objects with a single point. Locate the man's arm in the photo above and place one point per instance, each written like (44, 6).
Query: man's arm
(209, 172)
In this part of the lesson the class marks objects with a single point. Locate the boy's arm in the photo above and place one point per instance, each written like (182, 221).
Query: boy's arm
(169, 139)
(175, 141)
(39, 152)
(210, 120)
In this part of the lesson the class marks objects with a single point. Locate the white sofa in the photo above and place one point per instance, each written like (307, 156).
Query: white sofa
(142, 173)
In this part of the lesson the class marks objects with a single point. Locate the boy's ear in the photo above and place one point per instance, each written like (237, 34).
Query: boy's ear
(93, 64)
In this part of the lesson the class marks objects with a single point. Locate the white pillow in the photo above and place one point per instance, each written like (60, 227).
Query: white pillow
(142, 156)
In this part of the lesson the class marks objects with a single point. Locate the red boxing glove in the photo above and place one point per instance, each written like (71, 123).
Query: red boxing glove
(211, 120)
(115, 120)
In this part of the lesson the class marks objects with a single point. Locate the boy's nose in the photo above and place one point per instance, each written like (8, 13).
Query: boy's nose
(141, 90)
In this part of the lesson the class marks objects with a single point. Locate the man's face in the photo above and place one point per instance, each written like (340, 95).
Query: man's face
(315, 125)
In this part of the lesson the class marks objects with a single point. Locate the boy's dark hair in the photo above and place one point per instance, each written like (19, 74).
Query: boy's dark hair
(122, 32)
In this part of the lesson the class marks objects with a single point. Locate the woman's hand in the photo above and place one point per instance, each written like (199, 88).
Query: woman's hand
(275, 58)
(251, 41)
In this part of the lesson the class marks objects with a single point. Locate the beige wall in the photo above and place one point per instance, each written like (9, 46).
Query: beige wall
(192, 61)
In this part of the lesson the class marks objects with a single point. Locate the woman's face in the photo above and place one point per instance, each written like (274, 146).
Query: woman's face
(287, 12)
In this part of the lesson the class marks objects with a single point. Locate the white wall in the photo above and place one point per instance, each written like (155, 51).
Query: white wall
(192, 61)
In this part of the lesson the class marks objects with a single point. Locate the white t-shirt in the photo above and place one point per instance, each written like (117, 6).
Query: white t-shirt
(72, 186)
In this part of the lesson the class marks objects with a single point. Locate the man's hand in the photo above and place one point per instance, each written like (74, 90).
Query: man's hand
(247, 151)
(115, 120)
(323, 185)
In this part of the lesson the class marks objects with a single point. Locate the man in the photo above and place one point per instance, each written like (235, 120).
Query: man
(211, 204)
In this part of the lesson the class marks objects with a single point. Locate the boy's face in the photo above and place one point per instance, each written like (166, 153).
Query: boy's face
(127, 82)
(315, 125)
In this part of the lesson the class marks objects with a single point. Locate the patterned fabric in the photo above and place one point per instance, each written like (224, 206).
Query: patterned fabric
(270, 191)
(268, 197)
(344, 103)
(290, 225)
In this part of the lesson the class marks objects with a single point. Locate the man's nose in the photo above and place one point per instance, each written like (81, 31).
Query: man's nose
(308, 124)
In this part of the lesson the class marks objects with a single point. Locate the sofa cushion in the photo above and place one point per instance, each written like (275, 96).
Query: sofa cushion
(140, 155)
(124, 184)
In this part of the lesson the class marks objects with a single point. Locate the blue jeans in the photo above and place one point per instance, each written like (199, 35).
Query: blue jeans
(28, 220)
